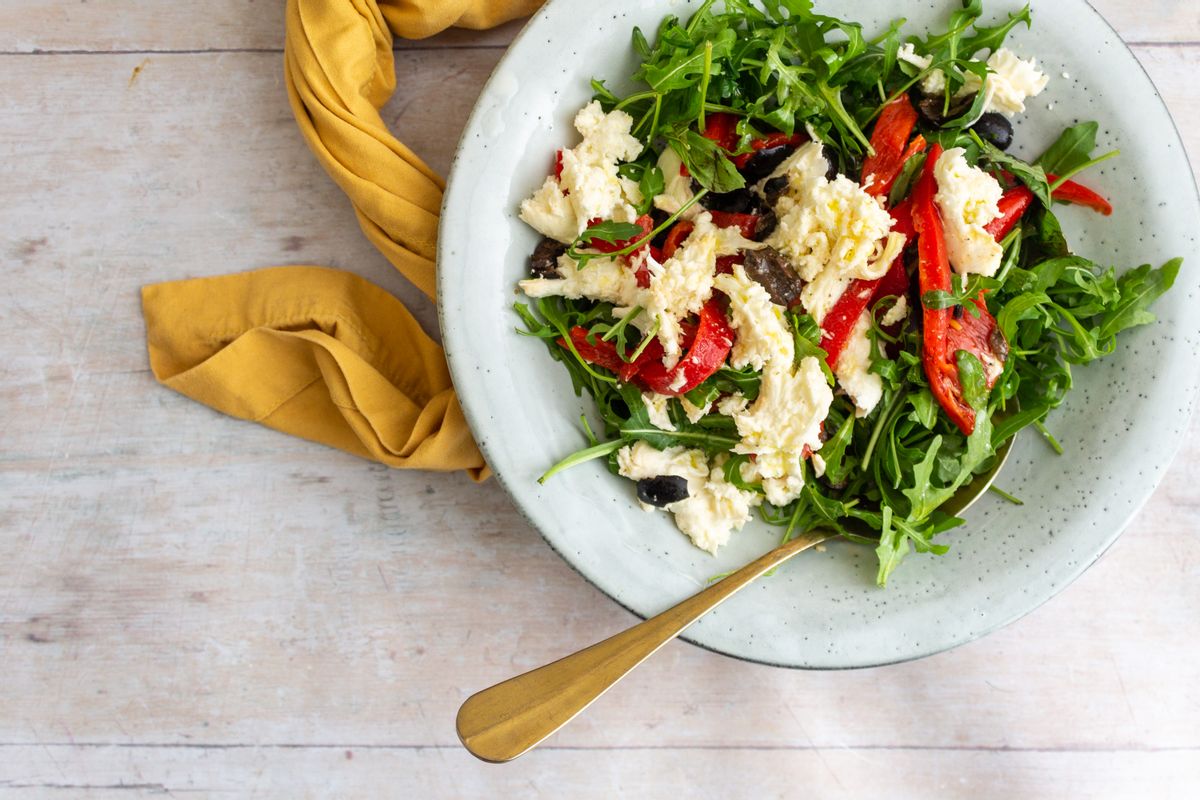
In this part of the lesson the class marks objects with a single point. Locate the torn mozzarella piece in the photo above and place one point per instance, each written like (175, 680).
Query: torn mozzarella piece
(711, 516)
(784, 421)
(853, 370)
(897, 313)
(682, 284)
(693, 412)
(733, 404)
(1011, 82)
(603, 279)
(968, 199)
(589, 186)
(762, 333)
(677, 188)
(657, 406)
(713, 509)
(830, 225)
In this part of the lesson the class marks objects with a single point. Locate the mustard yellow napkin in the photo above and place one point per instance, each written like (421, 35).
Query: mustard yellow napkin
(316, 352)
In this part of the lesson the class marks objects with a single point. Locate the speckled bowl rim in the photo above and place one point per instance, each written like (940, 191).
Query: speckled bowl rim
(462, 377)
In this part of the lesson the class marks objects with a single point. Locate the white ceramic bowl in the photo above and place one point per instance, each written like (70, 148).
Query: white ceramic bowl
(1121, 426)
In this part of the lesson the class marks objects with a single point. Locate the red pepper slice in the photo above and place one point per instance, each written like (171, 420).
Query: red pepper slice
(839, 323)
(746, 223)
(679, 231)
(945, 335)
(1013, 205)
(722, 129)
(645, 222)
(890, 140)
(902, 216)
(1077, 193)
(708, 351)
(775, 139)
(604, 354)
(1017, 200)
(558, 165)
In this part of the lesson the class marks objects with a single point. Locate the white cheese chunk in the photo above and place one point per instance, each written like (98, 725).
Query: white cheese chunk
(603, 279)
(711, 515)
(1011, 82)
(733, 404)
(897, 313)
(589, 187)
(830, 225)
(713, 508)
(853, 373)
(677, 188)
(968, 199)
(693, 412)
(762, 333)
(657, 406)
(682, 284)
(784, 420)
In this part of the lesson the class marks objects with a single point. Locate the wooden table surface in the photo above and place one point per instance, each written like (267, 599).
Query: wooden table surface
(196, 606)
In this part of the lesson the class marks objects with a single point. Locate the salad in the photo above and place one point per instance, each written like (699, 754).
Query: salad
(802, 275)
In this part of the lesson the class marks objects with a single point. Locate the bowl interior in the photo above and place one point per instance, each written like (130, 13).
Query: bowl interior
(1121, 426)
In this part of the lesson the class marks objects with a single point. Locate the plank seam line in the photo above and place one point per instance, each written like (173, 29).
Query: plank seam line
(1082, 750)
(405, 47)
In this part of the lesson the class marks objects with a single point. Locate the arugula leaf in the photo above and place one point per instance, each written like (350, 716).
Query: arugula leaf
(959, 295)
(1072, 149)
(706, 161)
(1138, 288)
(1031, 175)
(992, 38)
(609, 231)
(807, 333)
(650, 180)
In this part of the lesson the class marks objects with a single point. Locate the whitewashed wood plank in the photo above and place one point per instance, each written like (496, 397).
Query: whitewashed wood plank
(124, 772)
(173, 576)
(146, 25)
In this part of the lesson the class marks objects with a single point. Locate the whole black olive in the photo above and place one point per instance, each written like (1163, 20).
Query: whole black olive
(543, 262)
(763, 162)
(774, 189)
(932, 107)
(739, 201)
(772, 270)
(994, 128)
(662, 490)
(767, 223)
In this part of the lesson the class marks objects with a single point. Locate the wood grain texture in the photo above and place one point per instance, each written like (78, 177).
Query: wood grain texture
(198, 606)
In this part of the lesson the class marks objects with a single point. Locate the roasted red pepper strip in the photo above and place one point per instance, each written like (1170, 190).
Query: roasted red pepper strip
(1013, 205)
(940, 366)
(946, 334)
(767, 142)
(746, 223)
(558, 166)
(839, 323)
(604, 354)
(890, 142)
(679, 231)
(722, 129)
(645, 222)
(1080, 195)
(1017, 200)
(709, 349)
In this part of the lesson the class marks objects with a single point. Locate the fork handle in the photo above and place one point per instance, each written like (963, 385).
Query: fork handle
(509, 719)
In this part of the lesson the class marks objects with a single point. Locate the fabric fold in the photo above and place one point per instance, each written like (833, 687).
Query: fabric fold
(315, 352)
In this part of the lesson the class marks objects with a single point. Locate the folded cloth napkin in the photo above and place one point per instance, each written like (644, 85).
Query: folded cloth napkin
(317, 352)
